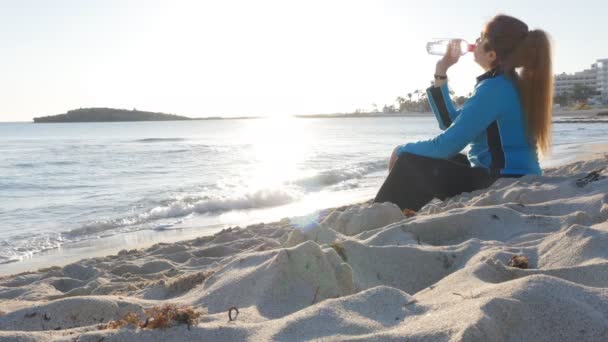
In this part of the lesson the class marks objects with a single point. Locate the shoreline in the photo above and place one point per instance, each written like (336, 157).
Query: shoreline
(103, 246)
(590, 113)
(524, 258)
(108, 245)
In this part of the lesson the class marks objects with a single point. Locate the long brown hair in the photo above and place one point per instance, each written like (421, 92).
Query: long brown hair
(529, 51)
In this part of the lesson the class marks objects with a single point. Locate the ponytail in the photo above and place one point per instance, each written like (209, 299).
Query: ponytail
(533, 56)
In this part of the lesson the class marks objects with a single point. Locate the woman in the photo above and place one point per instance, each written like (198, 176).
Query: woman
(507, 120)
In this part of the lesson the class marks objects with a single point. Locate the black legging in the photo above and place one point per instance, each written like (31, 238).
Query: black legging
(415, 180)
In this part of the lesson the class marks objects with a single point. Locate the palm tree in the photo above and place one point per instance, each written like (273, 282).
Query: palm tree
(400, 103)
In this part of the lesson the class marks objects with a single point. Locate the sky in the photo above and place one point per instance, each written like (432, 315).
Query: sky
(256, 58)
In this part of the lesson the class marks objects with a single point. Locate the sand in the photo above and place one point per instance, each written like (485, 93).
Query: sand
(362, 272)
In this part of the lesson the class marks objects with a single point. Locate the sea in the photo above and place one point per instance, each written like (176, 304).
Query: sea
(126, 184)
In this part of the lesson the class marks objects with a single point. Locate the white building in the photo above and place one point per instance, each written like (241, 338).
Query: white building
(595, 78)
(602, 78)
(564, 83)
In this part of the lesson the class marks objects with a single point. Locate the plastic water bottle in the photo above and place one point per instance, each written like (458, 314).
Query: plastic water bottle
(440, 46)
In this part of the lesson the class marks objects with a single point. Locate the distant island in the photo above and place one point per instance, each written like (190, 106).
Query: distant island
(122, 115)
(108, 115)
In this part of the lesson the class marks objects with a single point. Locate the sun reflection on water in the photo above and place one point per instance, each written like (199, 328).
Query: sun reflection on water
(281, 145)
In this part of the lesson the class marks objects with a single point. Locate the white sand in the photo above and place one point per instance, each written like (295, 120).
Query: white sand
(442, 275)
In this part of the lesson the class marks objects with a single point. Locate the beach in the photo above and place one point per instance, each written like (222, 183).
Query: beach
(216, 171)
(82, 190)
(522, 260)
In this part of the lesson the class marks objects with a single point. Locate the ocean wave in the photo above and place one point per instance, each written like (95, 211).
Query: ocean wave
(19, 249)
(177, 151)
(179, 208)
(12, 185)
(253, 200)
(53, 163)
(148, 140)
(335, 176)
(100, 226)
(62, 162)
(24, 165)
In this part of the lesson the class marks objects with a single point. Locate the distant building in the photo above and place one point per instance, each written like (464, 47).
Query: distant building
(602, 78)
(564, 83)
(595, 78)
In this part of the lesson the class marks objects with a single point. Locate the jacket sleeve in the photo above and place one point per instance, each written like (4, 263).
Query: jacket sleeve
(477, 114)
(441, 105)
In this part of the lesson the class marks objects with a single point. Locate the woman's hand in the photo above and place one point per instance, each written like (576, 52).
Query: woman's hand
(451, 57)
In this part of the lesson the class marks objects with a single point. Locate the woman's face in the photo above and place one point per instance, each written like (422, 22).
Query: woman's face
(482, 57)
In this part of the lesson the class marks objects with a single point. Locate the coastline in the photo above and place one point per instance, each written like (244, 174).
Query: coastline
(522, 259)
(108, 245)
(581, 113)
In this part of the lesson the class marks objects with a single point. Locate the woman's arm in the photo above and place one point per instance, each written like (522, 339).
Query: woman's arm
(441, 69)
(451, 57)
(438, 94)
(479, 111)
(442, 106)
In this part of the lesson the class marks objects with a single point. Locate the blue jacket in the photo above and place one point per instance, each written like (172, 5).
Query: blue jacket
(492, 121)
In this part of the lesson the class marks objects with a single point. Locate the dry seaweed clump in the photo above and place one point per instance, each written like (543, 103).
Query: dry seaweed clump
(169, 315)
(157, 317)
(130, 319)
(519, 261)
(409, 213)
